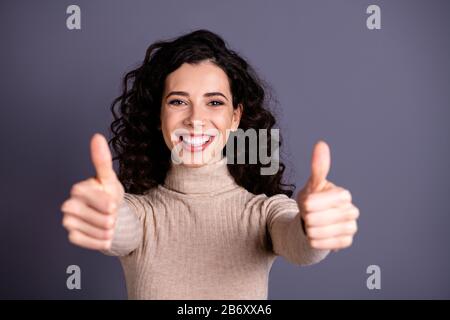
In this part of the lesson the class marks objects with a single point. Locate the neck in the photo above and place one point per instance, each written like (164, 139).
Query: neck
(210, 178)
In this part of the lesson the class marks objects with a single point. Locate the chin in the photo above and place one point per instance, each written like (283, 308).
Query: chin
(193, 165)
(188, 160)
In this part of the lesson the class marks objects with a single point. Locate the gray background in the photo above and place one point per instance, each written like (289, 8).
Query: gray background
(379, 98)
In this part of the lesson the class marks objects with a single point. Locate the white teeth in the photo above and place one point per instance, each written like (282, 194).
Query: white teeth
(195, 141)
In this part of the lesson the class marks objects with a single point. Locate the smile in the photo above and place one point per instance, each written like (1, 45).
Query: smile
(194, 143)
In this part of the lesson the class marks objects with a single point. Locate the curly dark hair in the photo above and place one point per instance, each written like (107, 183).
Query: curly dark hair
(144, 158)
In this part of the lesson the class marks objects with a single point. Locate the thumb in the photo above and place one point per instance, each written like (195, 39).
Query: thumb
(102, 159)
(320, 165)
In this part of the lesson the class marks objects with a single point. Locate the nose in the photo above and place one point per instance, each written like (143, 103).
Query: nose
(196, 117)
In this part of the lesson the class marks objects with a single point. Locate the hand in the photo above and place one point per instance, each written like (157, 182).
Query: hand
(327, 210)
(91, 210)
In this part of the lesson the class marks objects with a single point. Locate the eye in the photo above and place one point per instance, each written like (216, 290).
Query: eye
(217, 103)
(176, 102)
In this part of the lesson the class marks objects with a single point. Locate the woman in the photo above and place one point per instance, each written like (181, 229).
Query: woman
(186, 222)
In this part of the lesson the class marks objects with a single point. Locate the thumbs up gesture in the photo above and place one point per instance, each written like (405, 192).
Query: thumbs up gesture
(328, 213)
(91, 210)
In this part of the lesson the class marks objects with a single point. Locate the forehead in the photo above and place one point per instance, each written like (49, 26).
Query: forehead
(198, 78)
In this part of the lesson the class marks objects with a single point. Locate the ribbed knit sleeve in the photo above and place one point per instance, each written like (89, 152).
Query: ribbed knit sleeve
(286, 232)
(128, 231)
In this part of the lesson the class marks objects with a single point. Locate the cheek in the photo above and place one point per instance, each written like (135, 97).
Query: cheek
(224, 119)
(223, 124)
(168, 123)
(166, 136)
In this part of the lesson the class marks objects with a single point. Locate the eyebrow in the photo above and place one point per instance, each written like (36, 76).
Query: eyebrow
(208, 94)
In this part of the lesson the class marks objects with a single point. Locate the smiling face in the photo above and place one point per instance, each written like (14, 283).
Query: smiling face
(197, 113)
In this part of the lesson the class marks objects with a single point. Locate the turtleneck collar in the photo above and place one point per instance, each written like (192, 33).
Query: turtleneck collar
(210, 178)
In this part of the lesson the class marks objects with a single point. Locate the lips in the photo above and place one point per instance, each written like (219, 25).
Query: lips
(194, 143)
(195, 140)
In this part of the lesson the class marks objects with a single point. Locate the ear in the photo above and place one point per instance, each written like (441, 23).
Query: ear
(237, 114)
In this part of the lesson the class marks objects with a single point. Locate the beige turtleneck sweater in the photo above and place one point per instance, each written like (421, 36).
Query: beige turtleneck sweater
(202, 236)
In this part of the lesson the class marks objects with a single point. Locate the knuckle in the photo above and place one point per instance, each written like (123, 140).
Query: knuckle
(345, 242)
(104, 234)
(76, 189)
(308, 204)
(66, 222)
(351, 228)
(65, 206)
(108, 222)
(350, 241)
(112, 222)
(352, 214)
(346, 195)
(308, 220)
(108, 234)
(72, 206)
(106, 245)
(110, 206)
(356, 213)
(105, 223)
(104, 201)
(345, 228)
(313, 243)
(73, 237)
(73, 222)
(312, 232)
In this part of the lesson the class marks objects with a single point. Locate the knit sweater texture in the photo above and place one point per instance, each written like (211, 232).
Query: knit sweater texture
(199, 235)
